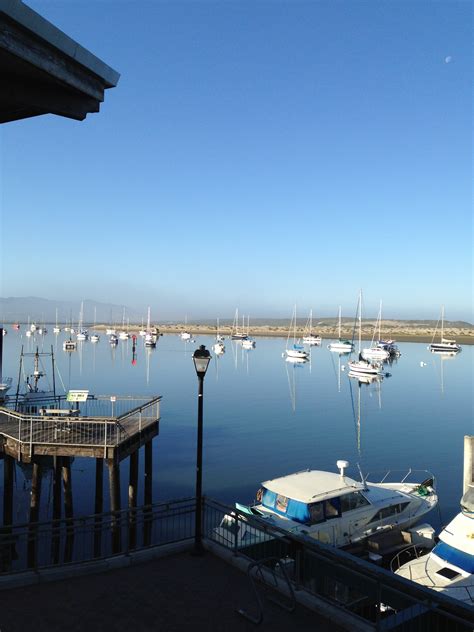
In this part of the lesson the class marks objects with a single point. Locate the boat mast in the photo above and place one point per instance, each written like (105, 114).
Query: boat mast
(442, 322)
(339, 323)
(360, 322)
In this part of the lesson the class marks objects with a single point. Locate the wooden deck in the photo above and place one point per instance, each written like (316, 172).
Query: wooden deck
(66, 434)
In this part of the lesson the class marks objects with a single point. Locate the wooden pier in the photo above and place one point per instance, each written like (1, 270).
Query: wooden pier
(64, 432)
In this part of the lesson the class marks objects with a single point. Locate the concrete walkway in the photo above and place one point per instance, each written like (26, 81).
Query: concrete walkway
(179, 592)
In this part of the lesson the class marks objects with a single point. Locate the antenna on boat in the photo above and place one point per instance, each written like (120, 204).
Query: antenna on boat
(342, 465)
(362, 476)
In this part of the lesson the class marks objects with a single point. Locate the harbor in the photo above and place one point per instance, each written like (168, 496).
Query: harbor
(308, 463)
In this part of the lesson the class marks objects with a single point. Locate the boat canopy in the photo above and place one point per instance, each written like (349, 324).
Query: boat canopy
(309, 486)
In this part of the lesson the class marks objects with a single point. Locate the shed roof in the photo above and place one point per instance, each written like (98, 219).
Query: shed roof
(45, 71)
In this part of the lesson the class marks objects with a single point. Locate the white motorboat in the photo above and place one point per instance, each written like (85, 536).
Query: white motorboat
(5, 384)
(342, 345)
(123, 335)
(445, 345)
(110, 331)
(82, 335)
(449, 567)
(331, 507)
(56, 330)
(248, 343)
(28, 333)
(113, 339)
(95, 338)
(69, 345)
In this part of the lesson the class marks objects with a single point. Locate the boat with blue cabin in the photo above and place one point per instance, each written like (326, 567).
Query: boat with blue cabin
(332, 507)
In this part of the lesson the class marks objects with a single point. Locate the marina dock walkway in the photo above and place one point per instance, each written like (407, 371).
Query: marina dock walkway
(173, 593)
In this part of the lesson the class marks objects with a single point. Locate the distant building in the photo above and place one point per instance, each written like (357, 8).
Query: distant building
(43, 71)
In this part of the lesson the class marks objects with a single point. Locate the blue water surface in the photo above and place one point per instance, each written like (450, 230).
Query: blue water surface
(265, 417)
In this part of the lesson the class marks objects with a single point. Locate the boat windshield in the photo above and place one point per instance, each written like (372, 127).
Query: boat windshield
(453, 556)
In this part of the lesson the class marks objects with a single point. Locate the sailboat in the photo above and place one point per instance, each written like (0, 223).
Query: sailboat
(237, 334)
(444, 345)
(366, 367)
(342, 345)
(56, 328)
(82, 333)
(375, 351)
(218, 347)
(123, 334)
(110, 331)
(309, 338)
(248, 343)
(150, 337)
(185, 335)
(95, 336)
(296, 351)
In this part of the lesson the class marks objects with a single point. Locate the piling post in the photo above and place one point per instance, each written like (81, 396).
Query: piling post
(34, 515)
(114, 492)
(148, 495)
(132, 499)
(98, 506)
(7, 543)
(68, 507)
(56, 533)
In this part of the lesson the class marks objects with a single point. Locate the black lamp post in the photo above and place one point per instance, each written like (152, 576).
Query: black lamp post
(201, 359)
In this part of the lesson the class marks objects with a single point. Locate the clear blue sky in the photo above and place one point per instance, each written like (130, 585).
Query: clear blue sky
(254, 154)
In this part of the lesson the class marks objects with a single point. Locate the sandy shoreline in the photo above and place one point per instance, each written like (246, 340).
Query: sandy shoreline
(399, 333)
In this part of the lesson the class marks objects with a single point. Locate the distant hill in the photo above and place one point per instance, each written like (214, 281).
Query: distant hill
(40, 310)
(44, 310)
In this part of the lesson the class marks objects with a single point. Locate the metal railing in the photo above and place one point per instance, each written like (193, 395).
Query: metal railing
(49, 426)
(364, 591)
(40, 545)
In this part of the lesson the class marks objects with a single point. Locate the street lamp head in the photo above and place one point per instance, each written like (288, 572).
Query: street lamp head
(201, 359)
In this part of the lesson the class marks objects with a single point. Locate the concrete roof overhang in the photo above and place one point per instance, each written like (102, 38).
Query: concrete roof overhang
(43, 71)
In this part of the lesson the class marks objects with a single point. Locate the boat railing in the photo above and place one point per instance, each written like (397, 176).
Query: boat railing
(402, 475)
(409, 552)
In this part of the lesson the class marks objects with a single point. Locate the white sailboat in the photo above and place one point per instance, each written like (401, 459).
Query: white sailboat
(218, 347)
(185, 335)
(309, 338)
(296, 350)
(82, 333)
(237, 333)
(95, 336)
(150, 337)
(444, 345)
(248, 342)
(341, 345)
(376, 352)
(366, 367)
(123, 334)
(56, 328)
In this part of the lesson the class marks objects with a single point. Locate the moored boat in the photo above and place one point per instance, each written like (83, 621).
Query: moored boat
(333, 508)
(445, 345)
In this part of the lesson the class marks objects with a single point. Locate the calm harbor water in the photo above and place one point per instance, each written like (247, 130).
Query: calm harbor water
(265, 417)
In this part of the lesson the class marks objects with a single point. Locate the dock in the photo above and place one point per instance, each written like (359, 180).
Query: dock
(62, 431)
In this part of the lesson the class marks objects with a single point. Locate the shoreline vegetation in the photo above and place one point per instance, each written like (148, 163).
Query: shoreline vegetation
(400, 331)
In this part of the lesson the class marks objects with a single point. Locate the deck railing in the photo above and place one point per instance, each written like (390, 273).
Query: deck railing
(64, 426)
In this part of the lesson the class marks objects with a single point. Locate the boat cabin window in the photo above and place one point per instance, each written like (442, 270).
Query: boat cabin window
(355, 500)
(332, 508)
(385, 512)
(316, 513)
(281, 503)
